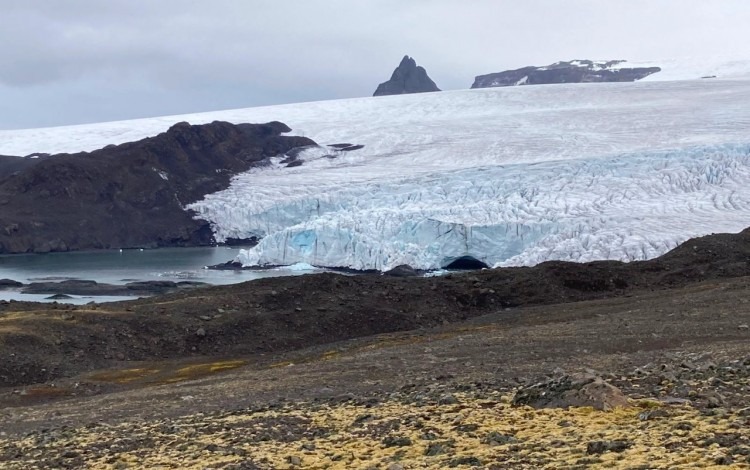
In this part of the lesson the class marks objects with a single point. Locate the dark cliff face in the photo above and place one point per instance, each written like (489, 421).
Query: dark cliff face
(407, 78)
(577, 71)
(129, 195)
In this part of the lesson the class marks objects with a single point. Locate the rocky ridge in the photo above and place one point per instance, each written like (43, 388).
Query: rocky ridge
(129, 195)
(575, 71)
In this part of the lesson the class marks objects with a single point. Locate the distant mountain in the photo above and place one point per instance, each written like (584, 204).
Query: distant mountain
(574, 71)
(407, 78)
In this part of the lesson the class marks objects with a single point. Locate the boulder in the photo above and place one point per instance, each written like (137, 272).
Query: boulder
(572, 390)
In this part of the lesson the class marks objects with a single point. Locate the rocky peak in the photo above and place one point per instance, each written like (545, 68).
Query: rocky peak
(407, 78)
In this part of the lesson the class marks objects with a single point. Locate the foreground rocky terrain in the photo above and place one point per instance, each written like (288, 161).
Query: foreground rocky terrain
(129, 195)
(431, 398)
(574, 71)
(332, 371)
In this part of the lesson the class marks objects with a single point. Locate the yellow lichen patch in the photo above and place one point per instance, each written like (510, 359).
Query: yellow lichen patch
(195, 371)
(281, 364)
(11, 329)
(124, 376)
(330, 354)
(485, 432)
(164, 373)
(45, 392)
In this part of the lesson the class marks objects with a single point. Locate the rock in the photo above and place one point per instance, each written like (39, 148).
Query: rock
(575, 71)
(653, 414)
(88, 287)
(152, 286)
(200, 332)
(9, 284)
(58, 297)
(407, 78)
(438, 448)
(468, 460)
(724, 460)
(395, 466)
(228, 266)
(294, 460)
(714, 401)
(447, 399)
(403, 270)
(496, 439)
(572, 390)
(600, 447)
(396, 441)
(744, 326)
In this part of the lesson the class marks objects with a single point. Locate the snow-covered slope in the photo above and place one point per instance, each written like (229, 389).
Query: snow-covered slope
(510, 176)
(692, 68)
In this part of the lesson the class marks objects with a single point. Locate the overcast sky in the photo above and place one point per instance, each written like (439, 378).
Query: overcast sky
(75, 61)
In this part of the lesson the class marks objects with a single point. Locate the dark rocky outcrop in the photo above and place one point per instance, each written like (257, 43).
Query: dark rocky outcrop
(402, 270)
(407, 78)
(129, 195)
(64, 289)
(576, 71)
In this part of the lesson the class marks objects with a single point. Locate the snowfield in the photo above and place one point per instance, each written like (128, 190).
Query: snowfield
(509, 176)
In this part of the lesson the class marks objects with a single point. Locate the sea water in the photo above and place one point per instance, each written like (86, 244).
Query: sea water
(121, 267)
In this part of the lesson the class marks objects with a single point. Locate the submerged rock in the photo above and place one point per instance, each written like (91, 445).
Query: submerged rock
(58, 297)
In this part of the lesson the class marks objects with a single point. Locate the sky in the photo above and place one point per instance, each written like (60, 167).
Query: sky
(80, 61)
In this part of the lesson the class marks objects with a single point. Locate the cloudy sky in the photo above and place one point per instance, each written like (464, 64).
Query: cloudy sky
(75, 61)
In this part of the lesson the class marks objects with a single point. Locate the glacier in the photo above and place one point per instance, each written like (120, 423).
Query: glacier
(509, 176)
(627, 207)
